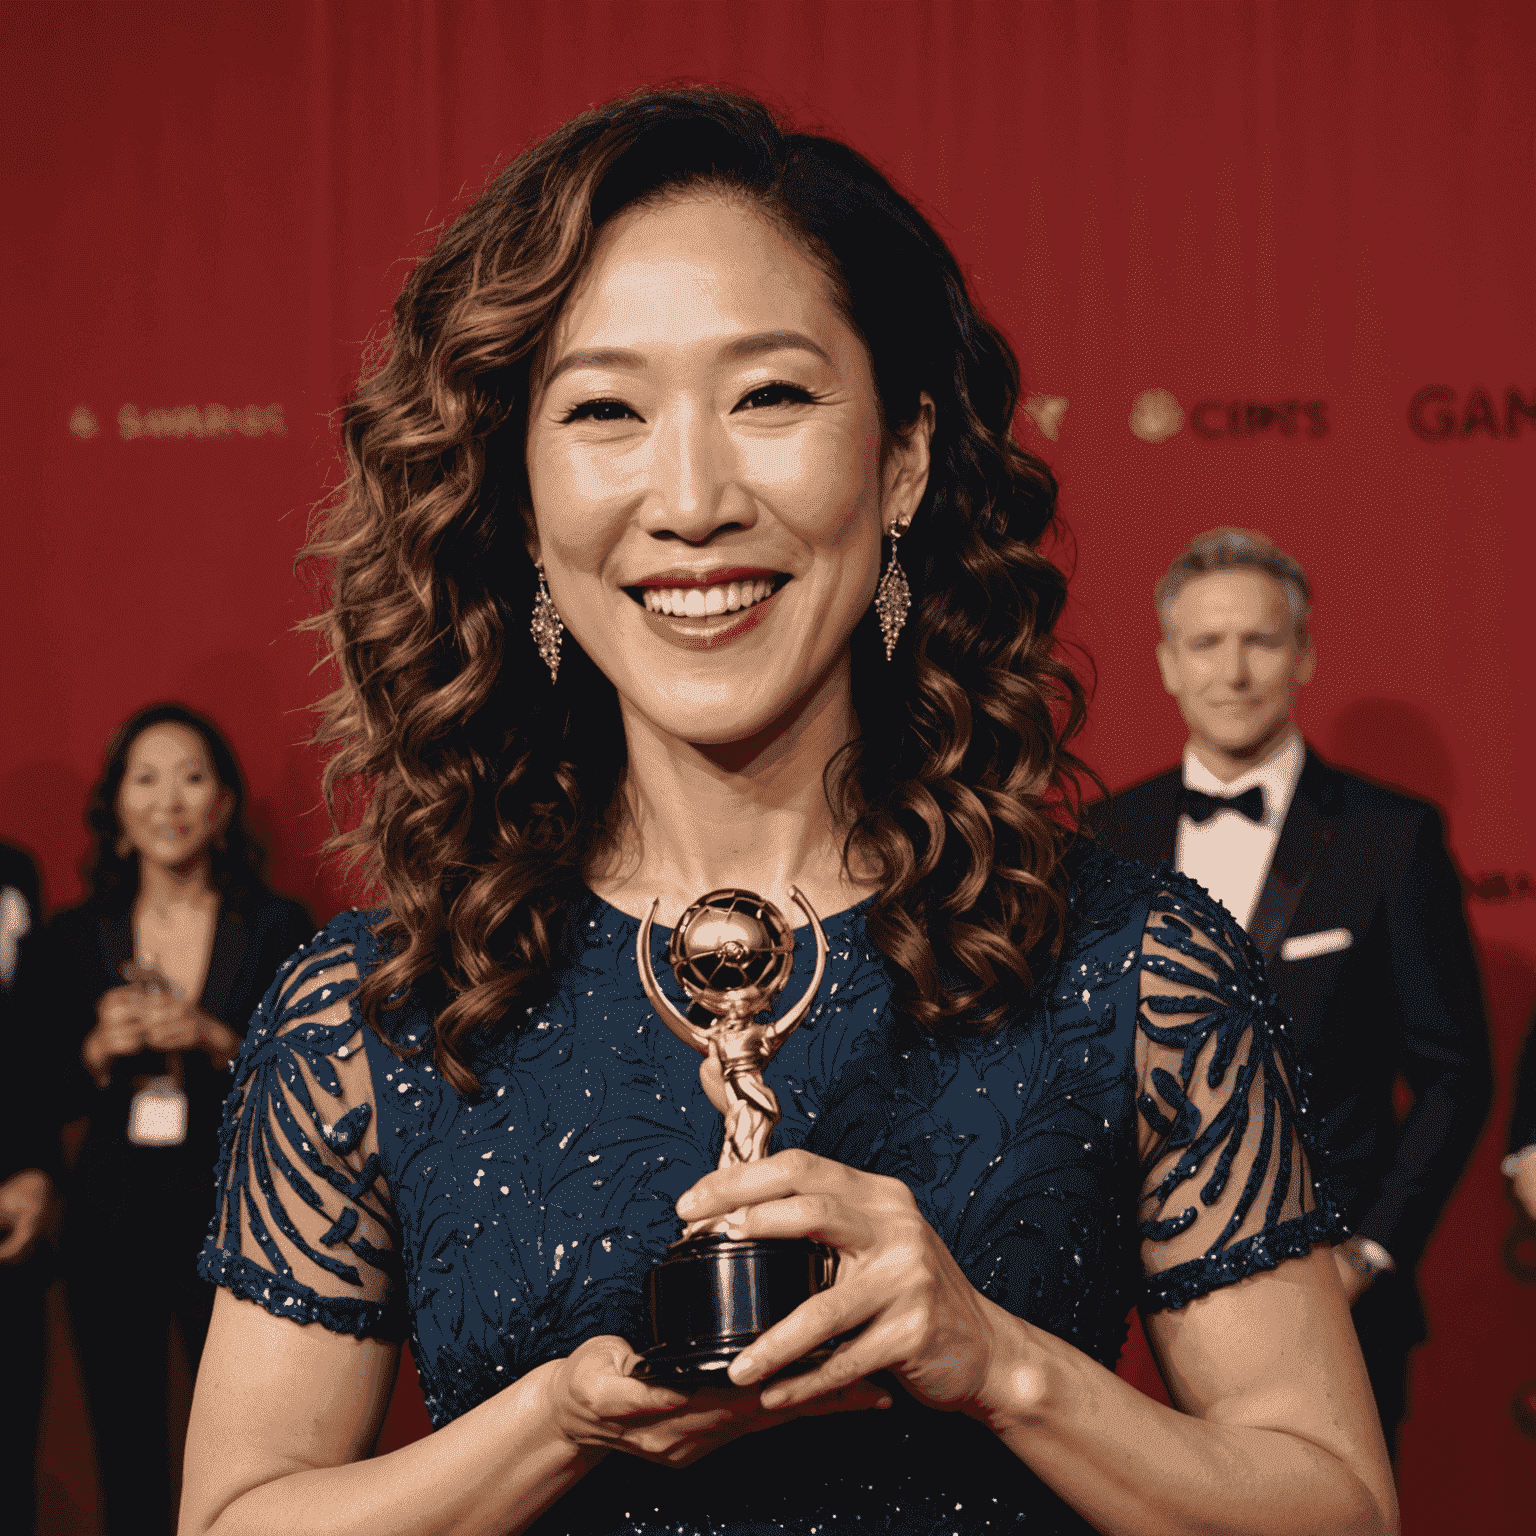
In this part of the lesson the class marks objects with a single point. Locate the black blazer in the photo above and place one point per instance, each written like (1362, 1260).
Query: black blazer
(80, 955)
(1399, 995)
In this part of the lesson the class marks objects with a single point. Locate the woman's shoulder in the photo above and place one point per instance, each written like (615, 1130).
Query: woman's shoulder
(1107, 891)
(1111, 896)
(1102, 883)
(348, 937)
(314, 985)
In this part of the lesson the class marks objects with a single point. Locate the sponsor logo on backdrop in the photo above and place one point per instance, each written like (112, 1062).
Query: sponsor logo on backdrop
(184, 421)
(1502, 885)
(1156, 415)
(1259, 418)
(1046, 412)
(1437, 413)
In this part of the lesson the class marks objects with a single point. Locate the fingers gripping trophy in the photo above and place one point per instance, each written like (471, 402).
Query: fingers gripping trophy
(731, 953)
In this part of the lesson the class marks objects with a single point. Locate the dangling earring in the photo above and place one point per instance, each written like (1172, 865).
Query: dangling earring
(546, 628)
(893, 597)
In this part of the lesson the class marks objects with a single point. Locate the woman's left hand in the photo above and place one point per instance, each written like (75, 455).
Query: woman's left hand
(176, 1024)
(921, 1318)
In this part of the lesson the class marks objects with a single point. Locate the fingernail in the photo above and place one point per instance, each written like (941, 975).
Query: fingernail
(686, 1202)
(731, 1230)
(741, 1367)
(773, 1398)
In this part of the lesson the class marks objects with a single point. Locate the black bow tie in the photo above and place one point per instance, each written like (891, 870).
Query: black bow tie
(1199, 806)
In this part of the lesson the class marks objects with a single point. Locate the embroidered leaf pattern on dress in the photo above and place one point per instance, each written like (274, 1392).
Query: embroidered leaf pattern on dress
(1226, 1183)
(304, 1223)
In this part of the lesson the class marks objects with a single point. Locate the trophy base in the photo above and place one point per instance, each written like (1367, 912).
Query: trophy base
(713, 1295)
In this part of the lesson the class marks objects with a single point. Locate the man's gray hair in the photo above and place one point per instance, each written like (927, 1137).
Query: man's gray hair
(1237, 549)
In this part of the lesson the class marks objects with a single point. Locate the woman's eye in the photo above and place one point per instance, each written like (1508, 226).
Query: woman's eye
(599, 410)
(776, 394)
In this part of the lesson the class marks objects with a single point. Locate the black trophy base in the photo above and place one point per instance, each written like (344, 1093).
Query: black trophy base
(712, 1295)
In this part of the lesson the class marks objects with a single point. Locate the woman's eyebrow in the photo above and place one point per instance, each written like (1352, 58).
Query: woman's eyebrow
(603, 357)
(742, 347)
(775, 341)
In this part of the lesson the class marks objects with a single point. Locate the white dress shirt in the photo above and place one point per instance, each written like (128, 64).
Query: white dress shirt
(1228, 854)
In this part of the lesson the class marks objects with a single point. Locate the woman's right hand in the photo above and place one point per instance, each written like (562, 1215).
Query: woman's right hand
(120, 1030)
(595, 1404)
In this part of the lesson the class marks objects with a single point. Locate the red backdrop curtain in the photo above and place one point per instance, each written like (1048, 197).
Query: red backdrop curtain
(1265, 264)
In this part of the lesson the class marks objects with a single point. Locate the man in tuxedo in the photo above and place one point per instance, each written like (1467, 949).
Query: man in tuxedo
(1347, 889)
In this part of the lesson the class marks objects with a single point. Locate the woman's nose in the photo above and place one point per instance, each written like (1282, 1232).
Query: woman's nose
(695, 489)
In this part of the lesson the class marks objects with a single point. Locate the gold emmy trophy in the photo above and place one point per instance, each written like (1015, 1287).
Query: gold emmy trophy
(713, 1294)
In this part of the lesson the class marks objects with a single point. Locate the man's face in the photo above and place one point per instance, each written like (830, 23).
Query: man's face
(1233, 662)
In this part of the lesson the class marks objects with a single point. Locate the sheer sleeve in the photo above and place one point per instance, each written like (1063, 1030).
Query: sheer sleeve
(304, 1225)
(1226, 1156)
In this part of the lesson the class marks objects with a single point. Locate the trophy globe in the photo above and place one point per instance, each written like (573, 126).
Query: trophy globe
(731, 953)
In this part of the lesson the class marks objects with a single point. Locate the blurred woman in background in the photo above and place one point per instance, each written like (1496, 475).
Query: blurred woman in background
(148, 984)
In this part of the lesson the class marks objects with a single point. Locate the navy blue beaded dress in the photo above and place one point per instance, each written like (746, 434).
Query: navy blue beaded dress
(1132, 1136)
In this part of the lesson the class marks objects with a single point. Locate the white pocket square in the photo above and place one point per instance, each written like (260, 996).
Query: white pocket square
(1308, 946)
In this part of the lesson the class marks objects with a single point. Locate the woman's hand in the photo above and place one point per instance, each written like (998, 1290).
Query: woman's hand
(121, 1016)
(24, 1202)
(596, 1404)
(178, 1024)
(920, 1317)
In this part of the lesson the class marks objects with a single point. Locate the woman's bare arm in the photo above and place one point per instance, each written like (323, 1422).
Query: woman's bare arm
(1274, 1431)
(284, 1418)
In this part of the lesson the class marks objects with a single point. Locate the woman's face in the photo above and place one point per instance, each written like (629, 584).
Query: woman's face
(704, 455)
(171, 804)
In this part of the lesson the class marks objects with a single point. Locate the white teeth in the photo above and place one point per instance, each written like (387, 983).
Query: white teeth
(699, 602)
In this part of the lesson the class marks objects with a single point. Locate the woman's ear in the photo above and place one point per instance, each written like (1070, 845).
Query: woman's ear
(531, 535)
(907, 465)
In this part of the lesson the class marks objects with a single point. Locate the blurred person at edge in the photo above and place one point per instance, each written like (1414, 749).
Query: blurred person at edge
(1519, 1165)
(1347, 889)
(148, 984)
(29, 1174)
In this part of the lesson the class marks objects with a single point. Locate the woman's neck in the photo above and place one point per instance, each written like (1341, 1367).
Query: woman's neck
(753, 814)
(164, 886)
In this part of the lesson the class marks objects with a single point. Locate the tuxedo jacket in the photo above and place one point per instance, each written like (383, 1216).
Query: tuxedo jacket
(1364, 935)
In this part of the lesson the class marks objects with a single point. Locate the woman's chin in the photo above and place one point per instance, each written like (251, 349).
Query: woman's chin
(716, 716)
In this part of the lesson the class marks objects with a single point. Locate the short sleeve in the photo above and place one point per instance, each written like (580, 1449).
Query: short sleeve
(1227, 1163)
(304, 1225)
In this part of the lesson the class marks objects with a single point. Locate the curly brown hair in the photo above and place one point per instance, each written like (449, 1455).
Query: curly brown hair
(479, 794)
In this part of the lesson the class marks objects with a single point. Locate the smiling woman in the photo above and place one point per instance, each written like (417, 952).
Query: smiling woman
(144, 990)
(707, 406)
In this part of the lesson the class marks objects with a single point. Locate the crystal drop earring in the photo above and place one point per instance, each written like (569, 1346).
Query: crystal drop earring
(893, 597)
(547, 628)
